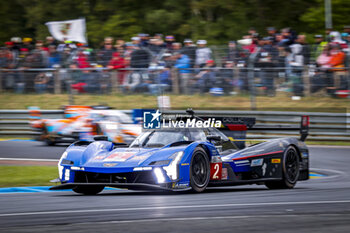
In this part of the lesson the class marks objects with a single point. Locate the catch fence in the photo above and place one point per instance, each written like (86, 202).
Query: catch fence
(158, 80)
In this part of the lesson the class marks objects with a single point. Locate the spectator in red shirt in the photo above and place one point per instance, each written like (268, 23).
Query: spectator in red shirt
(117, 62)
(82, 60)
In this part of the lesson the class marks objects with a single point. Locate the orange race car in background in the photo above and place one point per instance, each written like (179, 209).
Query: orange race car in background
(84, 122)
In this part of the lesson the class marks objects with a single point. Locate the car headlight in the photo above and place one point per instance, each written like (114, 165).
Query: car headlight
(160, 163)
(60, 168)
(159, 175)
(172, 168)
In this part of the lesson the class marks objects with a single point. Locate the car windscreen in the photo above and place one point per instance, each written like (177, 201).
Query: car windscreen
(159, 138)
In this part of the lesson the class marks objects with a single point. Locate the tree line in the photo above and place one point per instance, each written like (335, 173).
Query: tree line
(217, 21)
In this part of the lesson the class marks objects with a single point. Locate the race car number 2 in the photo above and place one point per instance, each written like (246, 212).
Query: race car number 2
(215, 171)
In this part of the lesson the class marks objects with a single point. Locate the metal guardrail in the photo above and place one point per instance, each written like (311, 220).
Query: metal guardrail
(323, 126)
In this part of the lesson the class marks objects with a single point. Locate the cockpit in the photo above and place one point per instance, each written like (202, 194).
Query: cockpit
(164, 137)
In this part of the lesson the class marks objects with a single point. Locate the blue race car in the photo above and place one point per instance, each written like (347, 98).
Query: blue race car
(182, 159)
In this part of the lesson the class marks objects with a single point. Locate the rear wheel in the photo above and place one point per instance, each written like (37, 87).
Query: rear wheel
(88, 190)
(199, 170)
(290, 171)
(50, 142)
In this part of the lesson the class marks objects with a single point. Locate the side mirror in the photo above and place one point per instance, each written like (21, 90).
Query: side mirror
(100, 138)
(213, 138)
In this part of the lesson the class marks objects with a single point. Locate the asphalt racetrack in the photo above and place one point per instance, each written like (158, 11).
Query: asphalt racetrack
(317, 205)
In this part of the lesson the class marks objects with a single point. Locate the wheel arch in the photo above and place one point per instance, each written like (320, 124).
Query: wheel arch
(297, 149)
(207, 151)
(207, 147)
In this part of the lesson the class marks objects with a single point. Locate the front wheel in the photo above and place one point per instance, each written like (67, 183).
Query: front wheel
(88, 190)
(290, 171)
(199, 170)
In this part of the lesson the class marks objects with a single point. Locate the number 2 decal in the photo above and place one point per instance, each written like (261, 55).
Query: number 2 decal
(216, 171)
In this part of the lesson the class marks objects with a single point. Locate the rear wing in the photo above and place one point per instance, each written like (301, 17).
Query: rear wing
(235, 128)
(74, 111)
(303, 128)
(247, 124)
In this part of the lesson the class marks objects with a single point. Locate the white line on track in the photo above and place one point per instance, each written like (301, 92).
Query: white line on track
(26, 159)
(212, 218)
(328, 146)
(173, 207)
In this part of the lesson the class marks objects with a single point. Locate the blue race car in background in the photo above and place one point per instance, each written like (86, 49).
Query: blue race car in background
(182, 159)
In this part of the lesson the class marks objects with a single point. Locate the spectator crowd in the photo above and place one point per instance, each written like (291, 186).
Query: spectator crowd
(280, 59)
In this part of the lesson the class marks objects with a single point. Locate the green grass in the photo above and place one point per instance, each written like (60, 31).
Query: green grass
(16, 176)
(282, 102)
(4, 137)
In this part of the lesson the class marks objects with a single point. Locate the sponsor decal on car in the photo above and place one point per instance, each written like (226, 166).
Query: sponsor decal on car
(110, 164)
(242, 163)
(180, 186)
(67, 174)
(77, 168)
(256, 162)
(275, 160)
(216, 171)
(224, 175)
(119, 156)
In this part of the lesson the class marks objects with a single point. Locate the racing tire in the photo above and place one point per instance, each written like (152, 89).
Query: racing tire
(290, 171)
(199, 170)
(50, 142)
(88, 190)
